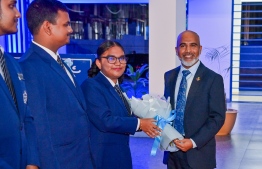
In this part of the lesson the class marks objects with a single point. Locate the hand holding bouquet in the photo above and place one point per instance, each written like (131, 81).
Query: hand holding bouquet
(159, 109)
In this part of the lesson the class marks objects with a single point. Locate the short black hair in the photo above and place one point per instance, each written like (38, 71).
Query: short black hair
(43, 10)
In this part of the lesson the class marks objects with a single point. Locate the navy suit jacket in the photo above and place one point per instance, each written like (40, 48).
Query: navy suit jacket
(59, 108)
(110, 124)
(204, 113)
(17, 132)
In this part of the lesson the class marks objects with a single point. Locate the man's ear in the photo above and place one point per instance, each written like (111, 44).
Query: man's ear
(200, 50)
(98, 63)
(176, 51)
(47, 27)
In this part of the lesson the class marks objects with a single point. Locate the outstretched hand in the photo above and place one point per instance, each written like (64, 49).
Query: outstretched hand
(149, 127)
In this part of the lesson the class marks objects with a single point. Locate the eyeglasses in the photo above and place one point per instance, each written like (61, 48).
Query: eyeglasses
(112, 59)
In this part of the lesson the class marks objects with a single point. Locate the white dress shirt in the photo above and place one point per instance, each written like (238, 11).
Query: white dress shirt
(189, 78)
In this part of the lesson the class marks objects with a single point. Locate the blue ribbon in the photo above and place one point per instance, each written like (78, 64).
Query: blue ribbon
(161, 123)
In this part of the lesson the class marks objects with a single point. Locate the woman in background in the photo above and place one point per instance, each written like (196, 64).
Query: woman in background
(110, 115)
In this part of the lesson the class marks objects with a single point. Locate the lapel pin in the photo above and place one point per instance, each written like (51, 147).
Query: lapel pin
(20, 76)
(198, 78)
(25, 97)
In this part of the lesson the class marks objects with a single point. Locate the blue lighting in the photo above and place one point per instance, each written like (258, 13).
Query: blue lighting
(17, 43)
(105, 1)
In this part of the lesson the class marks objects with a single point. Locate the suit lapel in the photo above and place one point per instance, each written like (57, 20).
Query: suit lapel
(195, 85)
(172, 82)
(107, 84)
(19, 85)
(75, 86)
(58, 69)
(6, 91)
(13, 75)
(114, 93)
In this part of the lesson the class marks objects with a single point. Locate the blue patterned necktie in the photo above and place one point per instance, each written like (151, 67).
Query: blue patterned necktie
(181, 103)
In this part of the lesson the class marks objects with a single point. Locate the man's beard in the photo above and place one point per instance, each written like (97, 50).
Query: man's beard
(189, 64)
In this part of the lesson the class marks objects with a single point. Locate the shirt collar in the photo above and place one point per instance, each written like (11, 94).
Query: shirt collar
(192, 69)
(54, 55)
(111, 81)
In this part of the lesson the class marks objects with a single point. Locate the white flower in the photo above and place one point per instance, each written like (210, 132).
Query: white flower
(160, 109)
(150, 106)
(69, 62)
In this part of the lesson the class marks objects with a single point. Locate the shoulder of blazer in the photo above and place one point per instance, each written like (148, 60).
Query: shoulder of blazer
(11, 59)
(172, 71)
(169, 75)
(101, 79)
(35, 50)
(206, 71)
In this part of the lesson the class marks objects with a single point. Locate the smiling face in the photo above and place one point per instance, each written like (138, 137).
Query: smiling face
(188, 48)
(8, 17)
(112, 71)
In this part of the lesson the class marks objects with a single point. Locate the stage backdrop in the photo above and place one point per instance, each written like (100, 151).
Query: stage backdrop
(79, 64)
(212, 21)
(104, 1)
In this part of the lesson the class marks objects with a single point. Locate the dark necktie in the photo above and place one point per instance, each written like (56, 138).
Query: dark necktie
(7, 77)
(118, 90)
(59, 61)
(181, 103)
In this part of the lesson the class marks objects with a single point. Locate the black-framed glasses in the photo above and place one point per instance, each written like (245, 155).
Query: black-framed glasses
(112, 59)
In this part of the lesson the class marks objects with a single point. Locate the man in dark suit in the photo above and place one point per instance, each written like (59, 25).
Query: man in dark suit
(203, 113)
(55, 98)
(18, 148)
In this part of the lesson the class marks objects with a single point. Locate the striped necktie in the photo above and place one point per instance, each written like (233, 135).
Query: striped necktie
(181, 103)
(118, 90)
(7, 77)
(59, 61)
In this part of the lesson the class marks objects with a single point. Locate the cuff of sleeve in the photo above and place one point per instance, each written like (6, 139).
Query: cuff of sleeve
(32, 157)
(194, 144)
(138, 125)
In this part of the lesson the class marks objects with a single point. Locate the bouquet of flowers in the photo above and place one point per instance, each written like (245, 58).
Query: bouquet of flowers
(160, 109)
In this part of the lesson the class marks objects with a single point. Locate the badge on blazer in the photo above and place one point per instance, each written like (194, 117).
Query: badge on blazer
(198, 78)
(25, 97)
(20, 76)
